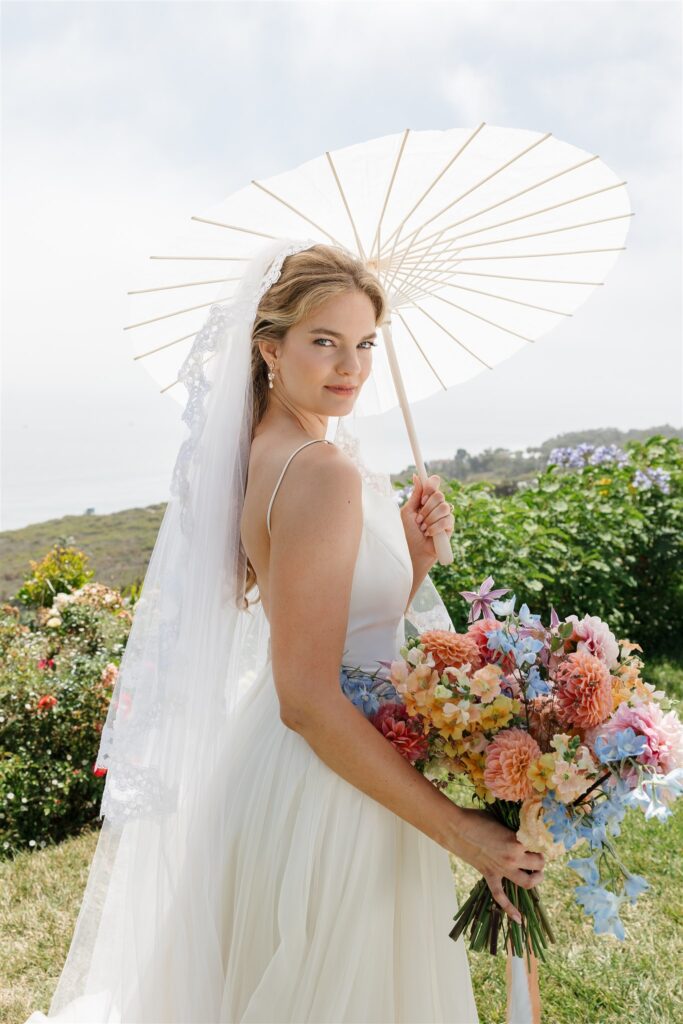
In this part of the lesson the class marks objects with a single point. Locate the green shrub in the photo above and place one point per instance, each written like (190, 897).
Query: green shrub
(584, 541)
(63, 569)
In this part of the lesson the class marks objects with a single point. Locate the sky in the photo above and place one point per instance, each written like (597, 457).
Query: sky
(121, 120)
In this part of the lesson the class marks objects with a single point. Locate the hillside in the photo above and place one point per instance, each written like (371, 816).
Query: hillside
(119, 544)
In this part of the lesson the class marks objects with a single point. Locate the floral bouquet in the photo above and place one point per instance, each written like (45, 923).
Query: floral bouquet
(556, 731)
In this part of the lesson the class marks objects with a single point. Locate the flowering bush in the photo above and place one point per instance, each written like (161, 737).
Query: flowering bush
(62, 570)
(587, 535)
(58, 665)
(558, 735)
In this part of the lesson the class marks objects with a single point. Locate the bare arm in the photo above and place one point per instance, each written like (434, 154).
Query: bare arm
(314, 544)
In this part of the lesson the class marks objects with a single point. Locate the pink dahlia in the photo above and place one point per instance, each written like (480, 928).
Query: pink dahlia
(404, 732)
(508, 758)
(663, 732)
(583, 690)
(595, 637)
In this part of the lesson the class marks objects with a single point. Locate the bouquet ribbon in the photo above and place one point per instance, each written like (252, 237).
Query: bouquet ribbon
(523, 996)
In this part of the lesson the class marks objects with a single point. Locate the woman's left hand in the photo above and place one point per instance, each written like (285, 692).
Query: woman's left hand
(428, 505)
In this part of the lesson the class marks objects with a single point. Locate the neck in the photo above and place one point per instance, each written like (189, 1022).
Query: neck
(295, 420)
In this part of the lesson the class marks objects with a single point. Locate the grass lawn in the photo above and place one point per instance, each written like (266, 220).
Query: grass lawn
(588, 979)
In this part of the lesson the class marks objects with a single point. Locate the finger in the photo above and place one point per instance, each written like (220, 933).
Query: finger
(436, 512)
(430, 502)
(533, 861)
(431, 485)
(526, 879)
(444, 522)
(415, 497)
(503, 902)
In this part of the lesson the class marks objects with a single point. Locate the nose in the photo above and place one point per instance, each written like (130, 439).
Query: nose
(350, 364)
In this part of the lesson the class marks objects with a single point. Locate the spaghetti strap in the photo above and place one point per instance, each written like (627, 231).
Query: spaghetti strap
(304, 445)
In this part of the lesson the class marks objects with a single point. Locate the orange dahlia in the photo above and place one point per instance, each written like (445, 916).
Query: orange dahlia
(448, 648)
(508, 758)
(583, 690)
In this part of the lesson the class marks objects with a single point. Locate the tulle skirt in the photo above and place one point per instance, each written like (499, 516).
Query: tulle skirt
(302, 899)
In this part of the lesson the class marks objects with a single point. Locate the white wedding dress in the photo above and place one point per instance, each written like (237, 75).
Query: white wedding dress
(333, 909)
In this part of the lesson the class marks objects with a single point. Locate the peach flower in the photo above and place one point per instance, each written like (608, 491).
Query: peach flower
(449, 648)
(508, 758)
(533, 832)
(485, 683)
(583, 690)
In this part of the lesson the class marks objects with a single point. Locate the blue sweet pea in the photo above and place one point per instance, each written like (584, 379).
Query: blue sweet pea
(587, 868)
(634, 885)
(498, 640)
(535, 685)
(603, 906)
(525, 650)
(504, 607)
(622, 744)
(561, 824)
(649, 795)
(526, 618)
(367, 692)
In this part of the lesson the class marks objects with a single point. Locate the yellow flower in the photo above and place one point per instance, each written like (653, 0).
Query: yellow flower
(540, 772)
(497, 714)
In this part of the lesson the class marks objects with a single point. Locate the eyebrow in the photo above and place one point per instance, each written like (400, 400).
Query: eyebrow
(336, 334)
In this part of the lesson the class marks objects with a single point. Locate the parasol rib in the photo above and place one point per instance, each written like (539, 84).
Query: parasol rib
(299, 213)
(512, 220)
(463, 309)
(451, 335)
(167, 344)
(375, 240)
(516, 195)
(473, 188)
(359, 244)
(419, 346)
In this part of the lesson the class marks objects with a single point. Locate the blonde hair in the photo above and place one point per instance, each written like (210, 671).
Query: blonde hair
(307, 279)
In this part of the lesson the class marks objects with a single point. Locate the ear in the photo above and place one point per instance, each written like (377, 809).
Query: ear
(269, 350)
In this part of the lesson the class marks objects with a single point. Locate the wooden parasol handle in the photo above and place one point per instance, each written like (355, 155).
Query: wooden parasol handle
(442, 544)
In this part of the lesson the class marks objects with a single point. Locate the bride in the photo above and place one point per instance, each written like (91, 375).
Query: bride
(266, 855)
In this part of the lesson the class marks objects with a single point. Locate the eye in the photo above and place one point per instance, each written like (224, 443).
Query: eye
(367, 341)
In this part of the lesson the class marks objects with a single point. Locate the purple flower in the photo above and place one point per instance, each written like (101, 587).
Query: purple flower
(481, 599)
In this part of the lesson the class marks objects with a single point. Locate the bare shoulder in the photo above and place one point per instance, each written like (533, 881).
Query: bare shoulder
(321, 487)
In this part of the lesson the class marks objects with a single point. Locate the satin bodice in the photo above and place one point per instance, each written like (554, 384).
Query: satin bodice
(382, 579)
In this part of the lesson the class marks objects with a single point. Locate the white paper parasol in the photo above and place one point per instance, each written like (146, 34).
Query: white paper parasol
(484, 240)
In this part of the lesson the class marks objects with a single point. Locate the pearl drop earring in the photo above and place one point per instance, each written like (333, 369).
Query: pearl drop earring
(271, 375)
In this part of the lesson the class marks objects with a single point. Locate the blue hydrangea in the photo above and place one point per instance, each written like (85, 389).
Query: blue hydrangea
(645, 478)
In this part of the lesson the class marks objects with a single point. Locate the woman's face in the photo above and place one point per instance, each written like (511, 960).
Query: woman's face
(331, 348)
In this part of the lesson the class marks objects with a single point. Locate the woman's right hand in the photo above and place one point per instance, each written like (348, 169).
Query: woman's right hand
(494, 850)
